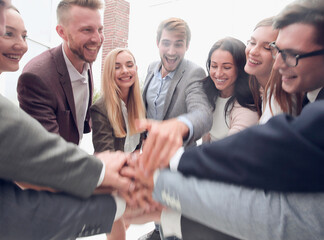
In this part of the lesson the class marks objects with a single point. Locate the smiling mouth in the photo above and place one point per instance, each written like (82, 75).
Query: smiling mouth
(287, 78)
(171, 60)
(220, 80)
(254, 62)
(125, 78)
(92, 49)
(12, 56)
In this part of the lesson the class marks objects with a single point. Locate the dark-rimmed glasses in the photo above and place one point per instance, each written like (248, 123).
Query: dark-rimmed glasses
(291, 59)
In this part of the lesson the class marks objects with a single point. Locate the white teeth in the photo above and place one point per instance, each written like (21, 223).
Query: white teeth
(11, 56)
(125, 78)
(220, 80)
(171, 58)
(254, 62)
(92, 48)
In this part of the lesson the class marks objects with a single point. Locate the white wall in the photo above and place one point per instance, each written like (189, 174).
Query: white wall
(209, 21)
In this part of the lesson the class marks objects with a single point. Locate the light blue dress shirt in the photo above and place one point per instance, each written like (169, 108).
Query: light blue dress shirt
(156, 93)
(155, 96)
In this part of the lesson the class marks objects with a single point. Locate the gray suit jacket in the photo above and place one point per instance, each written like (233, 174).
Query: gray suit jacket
(242, 212)
(32, 215)
(185, 97)
(28, 153)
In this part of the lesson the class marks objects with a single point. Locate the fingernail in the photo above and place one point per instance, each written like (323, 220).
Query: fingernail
(131, 187)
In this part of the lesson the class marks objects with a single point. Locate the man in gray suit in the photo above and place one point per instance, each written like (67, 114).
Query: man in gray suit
(173, 94)
(30, 154)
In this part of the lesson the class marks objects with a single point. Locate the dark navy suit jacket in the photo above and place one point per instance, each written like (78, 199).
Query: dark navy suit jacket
(286, 154)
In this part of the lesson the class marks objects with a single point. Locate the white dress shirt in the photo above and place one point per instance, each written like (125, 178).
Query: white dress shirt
(81, 92)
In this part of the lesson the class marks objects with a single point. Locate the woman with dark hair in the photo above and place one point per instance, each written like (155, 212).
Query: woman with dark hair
(227, 89)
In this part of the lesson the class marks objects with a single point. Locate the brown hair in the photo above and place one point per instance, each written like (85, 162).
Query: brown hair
(284, 99)
(65, 5)
(253, 82)
(177, 25)
(303, 11)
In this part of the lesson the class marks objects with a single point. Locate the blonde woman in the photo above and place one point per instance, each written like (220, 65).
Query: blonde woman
(113, 114)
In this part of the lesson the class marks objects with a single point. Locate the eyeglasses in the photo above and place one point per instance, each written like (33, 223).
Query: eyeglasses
(291, 59)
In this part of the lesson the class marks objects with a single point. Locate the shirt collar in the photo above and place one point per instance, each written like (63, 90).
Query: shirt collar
(157, 73)
(312, 95)
(74, 74)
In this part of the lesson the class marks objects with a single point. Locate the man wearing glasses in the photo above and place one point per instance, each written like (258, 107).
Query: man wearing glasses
(276, 169)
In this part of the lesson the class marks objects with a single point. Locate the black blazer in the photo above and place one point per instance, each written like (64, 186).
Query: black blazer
(286, 154)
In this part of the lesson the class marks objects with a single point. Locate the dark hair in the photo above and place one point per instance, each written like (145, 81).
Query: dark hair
(242, 92)
(303, 11)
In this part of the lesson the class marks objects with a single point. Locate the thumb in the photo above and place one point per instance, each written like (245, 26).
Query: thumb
(124, 184)
(142, 125)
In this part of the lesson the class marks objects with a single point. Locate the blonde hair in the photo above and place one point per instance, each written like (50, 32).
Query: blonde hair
(111, 95)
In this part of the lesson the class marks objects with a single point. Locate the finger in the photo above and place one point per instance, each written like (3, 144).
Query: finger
(142, 125)
(128, 198)
(129, 172)
(147, 149)
(133, 160)
(123, 184)
(168, 151)
(162, 144)
(141, 201)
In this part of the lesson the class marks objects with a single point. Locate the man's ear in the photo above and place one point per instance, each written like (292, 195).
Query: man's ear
(61, 32)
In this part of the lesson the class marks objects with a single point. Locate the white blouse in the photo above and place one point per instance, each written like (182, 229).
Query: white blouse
(131, 141)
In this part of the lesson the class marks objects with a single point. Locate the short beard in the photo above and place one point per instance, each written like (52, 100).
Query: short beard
(77, 51)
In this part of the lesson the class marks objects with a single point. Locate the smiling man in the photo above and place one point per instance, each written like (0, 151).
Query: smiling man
(56, 86)
(272, 174)
(173, 92)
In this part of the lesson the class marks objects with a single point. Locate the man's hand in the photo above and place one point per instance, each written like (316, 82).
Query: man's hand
(141, 197)
(164, 139)
(114, 161)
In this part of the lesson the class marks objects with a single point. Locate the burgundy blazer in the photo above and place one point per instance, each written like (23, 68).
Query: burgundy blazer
(45, 92)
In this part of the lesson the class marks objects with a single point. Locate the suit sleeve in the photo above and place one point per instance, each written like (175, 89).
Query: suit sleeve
(31, 154)
(286, 154)
(33, 215)
(38, 100)
(102, 131)
(241, 212)
(198, 108)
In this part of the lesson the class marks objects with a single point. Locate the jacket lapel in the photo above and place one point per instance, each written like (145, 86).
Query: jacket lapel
(148, 79)
(174, 83)
(64, 79)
